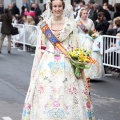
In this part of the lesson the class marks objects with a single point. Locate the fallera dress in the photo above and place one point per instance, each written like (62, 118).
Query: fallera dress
(85, 42)
(54, 92)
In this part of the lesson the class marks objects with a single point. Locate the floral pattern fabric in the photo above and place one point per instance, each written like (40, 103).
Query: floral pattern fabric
(54, 92)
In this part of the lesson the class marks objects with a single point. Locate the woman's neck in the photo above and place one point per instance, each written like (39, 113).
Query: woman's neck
(84, 19)
(57, 20)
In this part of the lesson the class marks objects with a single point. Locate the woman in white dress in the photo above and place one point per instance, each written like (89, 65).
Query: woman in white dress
(85, 25)
(54, 92)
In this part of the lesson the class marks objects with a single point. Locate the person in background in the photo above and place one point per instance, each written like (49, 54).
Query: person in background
(116, 27)
(91, 10)
(105, 4)
(81, 4)
(1, 10)
(37, 9)
(10, 6)
(15, 9)
(6, 28)
(101, 24)
(76, 7)
(86, 25)
(106, 13)
(31, 12)
(30, 20)
(22, 10)
(117, 10)
(110, 9)
(22, 20)
(15, 19)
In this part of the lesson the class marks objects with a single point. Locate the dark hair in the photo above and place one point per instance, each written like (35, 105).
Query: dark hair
(110, 7)
(83, 2)
(117, 23)
(91, 2)
(77, 1)
(6, 10)
(100, 14)
(63, 3)
(32, 8)
(117, 6)
(99, 8)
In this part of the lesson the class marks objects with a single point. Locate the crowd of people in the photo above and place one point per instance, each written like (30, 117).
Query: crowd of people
(27, 15)
(103, 16)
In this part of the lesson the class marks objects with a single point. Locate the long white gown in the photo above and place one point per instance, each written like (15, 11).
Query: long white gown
(96, 70)
(54, 92)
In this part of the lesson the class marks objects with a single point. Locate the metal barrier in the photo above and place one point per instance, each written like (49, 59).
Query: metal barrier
(111, 51)
(27, 35)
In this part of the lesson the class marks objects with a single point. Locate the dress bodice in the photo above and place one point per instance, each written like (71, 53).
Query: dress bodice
(57, 33)
(65, 36)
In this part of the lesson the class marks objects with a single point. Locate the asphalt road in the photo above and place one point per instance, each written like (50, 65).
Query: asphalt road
(15, 71)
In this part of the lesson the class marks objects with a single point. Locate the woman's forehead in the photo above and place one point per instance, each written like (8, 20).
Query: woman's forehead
(56, 2)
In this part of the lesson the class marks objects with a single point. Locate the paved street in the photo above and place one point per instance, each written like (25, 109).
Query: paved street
(15, 71)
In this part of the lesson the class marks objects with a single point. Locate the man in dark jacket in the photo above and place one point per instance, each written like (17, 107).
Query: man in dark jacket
(15, 10)
(101, 24)
(37, 9)
(6, 28)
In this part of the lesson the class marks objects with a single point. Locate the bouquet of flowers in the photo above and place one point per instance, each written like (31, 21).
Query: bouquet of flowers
(94, 34)
(80, 59)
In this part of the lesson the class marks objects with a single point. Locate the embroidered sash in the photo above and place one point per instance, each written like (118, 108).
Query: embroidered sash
(48, 33)
(80, 24)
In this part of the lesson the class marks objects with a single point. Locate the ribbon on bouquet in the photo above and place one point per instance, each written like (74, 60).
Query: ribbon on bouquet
(48, 33)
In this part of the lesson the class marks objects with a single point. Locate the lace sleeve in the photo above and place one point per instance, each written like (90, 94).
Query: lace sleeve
(92, 25)
(38, 54)
(73, 41)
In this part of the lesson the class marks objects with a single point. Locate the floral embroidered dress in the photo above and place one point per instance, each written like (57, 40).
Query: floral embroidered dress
(54, 92)
(85, 41)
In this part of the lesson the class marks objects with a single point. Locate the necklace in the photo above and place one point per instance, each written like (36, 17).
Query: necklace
(58, 21)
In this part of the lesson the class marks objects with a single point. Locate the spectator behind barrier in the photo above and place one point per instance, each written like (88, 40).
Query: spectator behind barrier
(37, 9)
(30, 20)
(101, 24)
(116, 28)
(106, 13)
(117, 10)
(30, 13)
(15, 9)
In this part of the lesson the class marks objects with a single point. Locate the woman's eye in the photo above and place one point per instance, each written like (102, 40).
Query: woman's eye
(60, 6)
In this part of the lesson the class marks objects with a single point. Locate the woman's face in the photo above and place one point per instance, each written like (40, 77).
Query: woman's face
(57, 8)
(84, 14)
